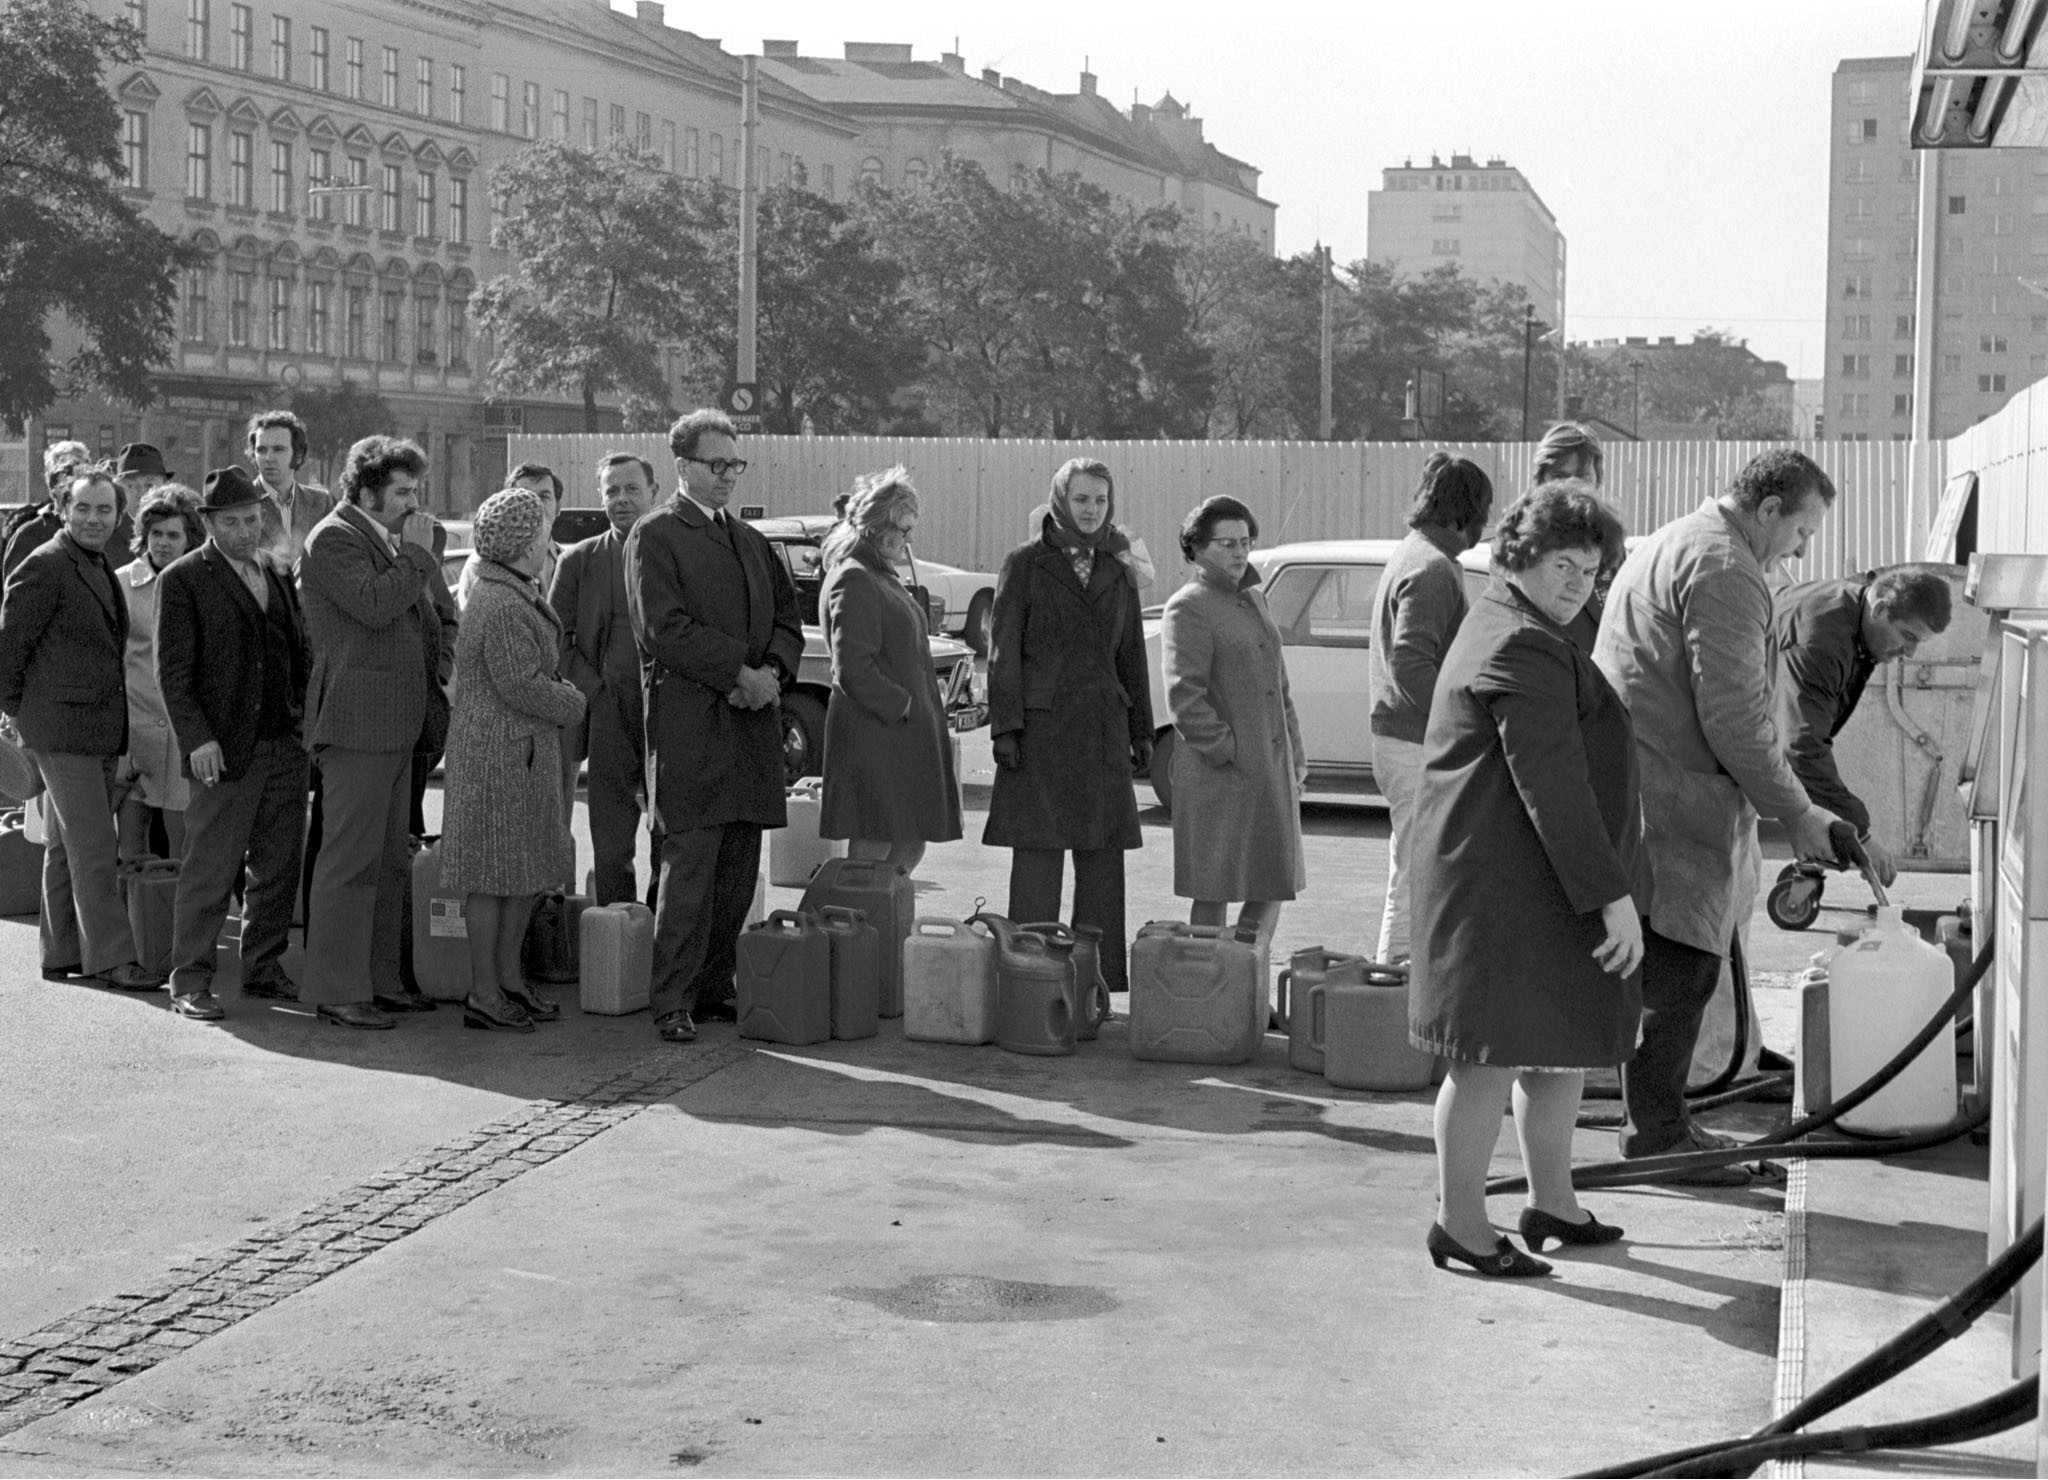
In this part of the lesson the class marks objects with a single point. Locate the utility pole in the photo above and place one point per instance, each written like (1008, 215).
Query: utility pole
(1635, 427)
(1528, 352)
(1328, 422)
(750, 189)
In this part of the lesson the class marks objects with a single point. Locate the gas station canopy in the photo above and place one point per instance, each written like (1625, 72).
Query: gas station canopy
(1980, 76)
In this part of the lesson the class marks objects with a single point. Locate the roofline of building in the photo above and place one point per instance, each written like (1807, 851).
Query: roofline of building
(1434, 169)
(1873, 64)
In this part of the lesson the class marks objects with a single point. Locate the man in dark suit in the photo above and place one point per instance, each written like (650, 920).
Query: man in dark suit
(63, 638)
(600, 658)
(231, 660)
(366, 580)
(715, 617)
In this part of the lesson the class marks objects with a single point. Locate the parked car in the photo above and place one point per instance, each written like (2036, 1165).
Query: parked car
(968, 598)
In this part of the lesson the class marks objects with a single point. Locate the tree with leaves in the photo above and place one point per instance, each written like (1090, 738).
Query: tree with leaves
(337, 417)
(606, 272)
(74, 255)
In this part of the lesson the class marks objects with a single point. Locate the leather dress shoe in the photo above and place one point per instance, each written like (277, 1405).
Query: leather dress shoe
(676, 1027)
(274, 988)
(202, 1006)
(355, 1015)
(63, 973)
(129, 977)
(407, 1001)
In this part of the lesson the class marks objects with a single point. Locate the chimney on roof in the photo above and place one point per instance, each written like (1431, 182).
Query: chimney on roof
(991, 76)
(877, 51)
(1141, 113)
(1667, 339)
(1636, 341)
(652, 12)
(778, 48)
(952, 61)
(1087, 83)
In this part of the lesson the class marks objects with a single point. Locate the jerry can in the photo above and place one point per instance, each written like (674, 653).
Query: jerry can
(1091, 991)
(552, 948)
(440, 934)
(949, 981)
(884, 894)
(1034, 989)
(795, 850)
(1299, 1009)
(1811, 1090)
(1198, 993)
(615, 947)
(784, 980)
(1882, 988)
(856, 981)
(149, 886)
(21, 868)
(1364, 1032)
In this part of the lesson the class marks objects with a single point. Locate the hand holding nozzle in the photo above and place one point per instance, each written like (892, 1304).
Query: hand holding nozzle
(1849, 852)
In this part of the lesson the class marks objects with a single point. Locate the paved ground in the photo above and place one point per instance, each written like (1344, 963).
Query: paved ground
(273, 1246)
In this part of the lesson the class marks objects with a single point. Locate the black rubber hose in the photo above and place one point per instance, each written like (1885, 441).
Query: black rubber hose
(1708, 1096)
(1698, 1104)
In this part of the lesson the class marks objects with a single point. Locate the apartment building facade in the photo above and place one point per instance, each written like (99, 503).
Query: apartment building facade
(1486, 218)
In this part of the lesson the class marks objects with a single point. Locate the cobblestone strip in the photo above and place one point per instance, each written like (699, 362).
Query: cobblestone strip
(88, 1351)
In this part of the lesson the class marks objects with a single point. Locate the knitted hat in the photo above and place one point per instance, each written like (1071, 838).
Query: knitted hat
(507, 524)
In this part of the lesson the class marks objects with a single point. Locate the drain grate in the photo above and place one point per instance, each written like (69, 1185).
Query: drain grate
(974, 1297)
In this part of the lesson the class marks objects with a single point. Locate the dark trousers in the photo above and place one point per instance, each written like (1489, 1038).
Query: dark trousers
(611, 786)
(85, 922)
(1678, 983)
(361, 879)
(260, 818)
(1036, 875)
(707, 883)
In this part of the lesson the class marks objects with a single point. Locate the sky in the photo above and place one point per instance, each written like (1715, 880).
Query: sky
(1682, 147)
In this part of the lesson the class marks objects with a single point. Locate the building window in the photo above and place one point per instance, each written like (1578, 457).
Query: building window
(241, 165)
(643, 133)
(423, 87)
(241, 307)
(280, 327)
(1991, 384)
(1991, 344)
(2001, 225)
(423, 204)
(668, 145)
(718, 157)
(281, 47)
(1956, 204)
(915, 174)
(1856, 367)
(281, 177)
(199, 161)
(317, 295)
(1862, 130)
(389, 197)
(501, 102)
(1860, 209)
(1858, 172)
(198, 28)
(1902, 326)
(458, 92)
(196, 283)
(1902, 367)
(1902, 403)
(1859, 249)
(137, 14)
(692, 159)
(618, 123)
(787, 169)
(1856, 285)
(871, 171)
(388, 94)
(319, 167)
(458, 333)
(590, 123)
(387, 334)
(831, 189)
(423, 340)
(458, 209)
(358, 195)
(1857, 404)
(529, 110)
(241, 36)
(317, 59)
(354, 68)
(355, 307)
(1951, 364)
(135, 148)
(558, 119)
(1442, 246)
(1855, 326)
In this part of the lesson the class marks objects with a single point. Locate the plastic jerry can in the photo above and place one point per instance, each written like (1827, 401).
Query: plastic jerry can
(552, 947)
(795, 850)
(1091, 991)
(884, 894)
(1198, 993)
(1364, 1032)
(785, 980)
(21, 868)
(1034, 991)
(949, 981)
(1954, 935)
(1810, 1088)
(1297, 1007)
(1882, 989)
(615, 944)
(440, 934)
(150, 889)
(856, 982)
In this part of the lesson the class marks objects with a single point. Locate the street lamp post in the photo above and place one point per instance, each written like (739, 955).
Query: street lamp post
(1636, 422)
(1528, 351)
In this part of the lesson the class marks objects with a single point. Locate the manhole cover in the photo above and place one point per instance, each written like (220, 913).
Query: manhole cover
(974, 1297)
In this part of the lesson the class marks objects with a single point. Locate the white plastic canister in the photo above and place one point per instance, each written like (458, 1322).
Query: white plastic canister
(1882, 989)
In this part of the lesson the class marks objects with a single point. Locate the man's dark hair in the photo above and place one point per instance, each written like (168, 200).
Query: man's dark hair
(1454, 493)
(1200, 525)
(1782, 474)
(262, 421)
(612, 459)
(689, 430)
(67, 489)
(1912, 593)
(372, 462)
(1562, 515)
(536, 470)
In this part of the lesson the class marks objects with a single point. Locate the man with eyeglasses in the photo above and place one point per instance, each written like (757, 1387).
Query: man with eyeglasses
(715, 618)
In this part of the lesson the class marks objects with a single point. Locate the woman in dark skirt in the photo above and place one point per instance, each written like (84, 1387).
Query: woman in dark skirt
(1527, 935)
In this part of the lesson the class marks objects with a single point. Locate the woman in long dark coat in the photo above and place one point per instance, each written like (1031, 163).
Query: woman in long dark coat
(1070, 708)
(1527, 936)
(889, 783)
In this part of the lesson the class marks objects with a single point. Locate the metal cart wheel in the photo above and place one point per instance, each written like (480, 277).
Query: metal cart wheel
(1794, 901)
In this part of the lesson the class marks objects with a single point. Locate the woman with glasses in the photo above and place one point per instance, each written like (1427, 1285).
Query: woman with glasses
(1238, 767)
(889, 783)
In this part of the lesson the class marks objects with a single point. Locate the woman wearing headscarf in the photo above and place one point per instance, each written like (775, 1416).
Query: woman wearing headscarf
(503, 841)
(889, 783)
(166, 527)
(1070, 710)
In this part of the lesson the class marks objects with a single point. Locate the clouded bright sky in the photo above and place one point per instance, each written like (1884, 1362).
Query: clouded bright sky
(1682, 147)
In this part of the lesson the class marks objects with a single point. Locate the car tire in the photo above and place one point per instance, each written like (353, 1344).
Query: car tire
(803, 737)
(1161, 769)
(980, 623)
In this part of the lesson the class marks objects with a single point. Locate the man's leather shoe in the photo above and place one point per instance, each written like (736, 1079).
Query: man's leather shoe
(406, 1002)
(63, 973)
(356, 1015)
(676, 1027)
(727, 1011)
(274, 988)
(129, 977)
(203, 1006)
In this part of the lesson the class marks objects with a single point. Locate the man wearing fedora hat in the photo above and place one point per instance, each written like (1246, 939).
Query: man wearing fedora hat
(138, 469)
(232, 662)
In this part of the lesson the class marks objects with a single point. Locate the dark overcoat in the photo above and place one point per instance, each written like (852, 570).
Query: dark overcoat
(63, 643)
(704, 605)
(210, 647)
(888, 755)
(1066, 671)
(1526, 825)
(378, 634)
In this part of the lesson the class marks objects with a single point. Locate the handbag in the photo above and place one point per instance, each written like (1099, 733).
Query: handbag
(19, 777)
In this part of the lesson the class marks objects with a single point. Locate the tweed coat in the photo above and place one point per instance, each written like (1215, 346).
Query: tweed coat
(502, 830)
(588, 593)
(63, 640)
(1527, 820)
(703, 606)
(888, 755)
(1066, 671)
(376, 634)
(152, 748)
(210, 655)
(1239, 764)
(1685, 640)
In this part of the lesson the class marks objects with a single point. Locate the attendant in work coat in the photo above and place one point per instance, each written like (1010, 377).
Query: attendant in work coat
(1238, 764)
(1070, 707)
(889, 783)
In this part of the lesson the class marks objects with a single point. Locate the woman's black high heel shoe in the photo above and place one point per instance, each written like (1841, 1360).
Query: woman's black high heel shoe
(1539, 1227)
(1505, 1262)
(539, 1008)
(514, 1019)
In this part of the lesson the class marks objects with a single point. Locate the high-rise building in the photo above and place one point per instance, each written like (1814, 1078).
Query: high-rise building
(1486, 218)
(1990, 268)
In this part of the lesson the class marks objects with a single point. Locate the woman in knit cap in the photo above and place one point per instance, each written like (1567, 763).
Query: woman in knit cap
(502, 840)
